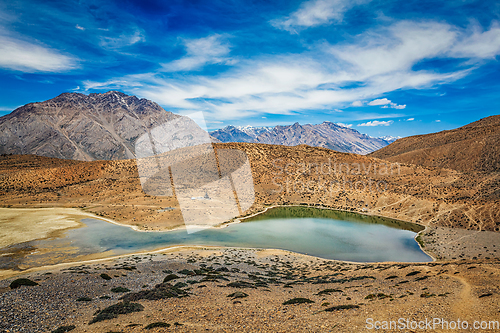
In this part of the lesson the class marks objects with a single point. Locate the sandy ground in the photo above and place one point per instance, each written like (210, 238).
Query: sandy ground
(449, 290)
(25, 224)
(449, 243)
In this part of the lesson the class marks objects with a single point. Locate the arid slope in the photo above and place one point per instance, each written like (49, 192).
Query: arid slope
(474, 147)
(282, 176)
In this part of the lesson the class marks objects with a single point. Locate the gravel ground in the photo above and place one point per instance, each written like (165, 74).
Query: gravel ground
(462, 289)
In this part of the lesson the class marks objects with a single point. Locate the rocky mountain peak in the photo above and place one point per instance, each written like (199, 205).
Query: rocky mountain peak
(83, 127)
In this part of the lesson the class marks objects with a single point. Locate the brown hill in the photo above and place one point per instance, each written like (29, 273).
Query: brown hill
(282, 176)
(80, 127)
(474, 147)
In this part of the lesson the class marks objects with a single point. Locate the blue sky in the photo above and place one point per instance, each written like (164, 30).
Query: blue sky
(382, 67)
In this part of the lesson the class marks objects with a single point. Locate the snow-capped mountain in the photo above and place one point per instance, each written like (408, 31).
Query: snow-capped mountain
(327, 134)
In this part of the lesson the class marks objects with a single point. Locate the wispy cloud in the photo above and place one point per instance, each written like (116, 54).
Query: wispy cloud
(377, 123)
(316, 12)
(380, 101)
(381, 59)
(25, 56)
(386, 103)
(344, 125)
(410, 119)
(394, 106)
(123, 40)
(200, 52)
(477, 43)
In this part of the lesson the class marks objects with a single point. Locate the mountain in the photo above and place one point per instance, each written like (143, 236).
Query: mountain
(473, 147)
(232, 134)
(239, 133)
(326, 135)
(254, 131)
(81, 127)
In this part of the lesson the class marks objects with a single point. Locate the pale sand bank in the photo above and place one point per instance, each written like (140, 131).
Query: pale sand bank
(18, 225)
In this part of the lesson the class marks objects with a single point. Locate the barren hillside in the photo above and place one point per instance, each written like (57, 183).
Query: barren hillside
(282, 175)
(474, 147)
(81, 127)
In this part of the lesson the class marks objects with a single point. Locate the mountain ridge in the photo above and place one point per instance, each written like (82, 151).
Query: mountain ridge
(81, 127)
(326, 135)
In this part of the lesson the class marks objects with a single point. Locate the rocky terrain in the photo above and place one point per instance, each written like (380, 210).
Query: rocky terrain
(326, 135)
(243, 290)
(474, 147)
(81, 127)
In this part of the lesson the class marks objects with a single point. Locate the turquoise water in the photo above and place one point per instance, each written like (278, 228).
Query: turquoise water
(322, 233)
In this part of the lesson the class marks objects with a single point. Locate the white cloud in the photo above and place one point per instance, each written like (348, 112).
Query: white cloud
(394, 106)
(386, 103)
(478, 43)
(24, 56)
(199, 52)
(377, 123)
(396, 48)
(382, 101)
(316, 12)
(382, 59)
(124, 40)
(410, 119)
(344, 125)
(79, 27)
(438, 121)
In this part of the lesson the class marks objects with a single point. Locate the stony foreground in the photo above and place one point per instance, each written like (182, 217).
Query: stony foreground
(240, 290)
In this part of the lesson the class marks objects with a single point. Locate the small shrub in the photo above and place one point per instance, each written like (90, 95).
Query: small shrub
(170, 277)
(120, 290)
(64, 329)
(180, 285)
(297, 300)
(238, 294)
(187, 272)
(160, 291)
(413, 273)
(329, 291)
(342, 307)
(157, 324)
(241, 284)
(84, 299)
(379, 296)
(114, 310)
(105, 276)
(22, 282)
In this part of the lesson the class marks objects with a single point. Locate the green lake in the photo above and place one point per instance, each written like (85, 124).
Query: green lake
(322, 233)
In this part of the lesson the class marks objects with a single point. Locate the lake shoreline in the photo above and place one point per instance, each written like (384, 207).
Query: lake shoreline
(344, 216)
